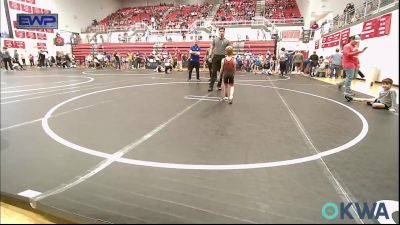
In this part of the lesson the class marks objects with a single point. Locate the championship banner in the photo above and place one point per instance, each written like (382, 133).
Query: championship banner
(19, 44)
(19, 34)
(31, 1)
(46, 11)
(49, 30)
(344, 38)
(331, 40)
(41, 46)
(383, 25)
(14, 5)
(36, 10)
(8, 44)
(26, 8)
(41, 36)
(369, 29)
(31, 35)
(290, 35)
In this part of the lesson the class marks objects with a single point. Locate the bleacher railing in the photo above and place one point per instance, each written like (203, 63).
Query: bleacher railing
(360, 12)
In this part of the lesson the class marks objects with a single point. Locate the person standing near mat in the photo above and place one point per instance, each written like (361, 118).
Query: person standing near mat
(350, 63)
(208, 60)
(194, 60)
(218, 47)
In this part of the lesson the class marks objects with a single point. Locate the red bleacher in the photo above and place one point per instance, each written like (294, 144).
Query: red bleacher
(82, 50)
(282, 9)
(236, 10)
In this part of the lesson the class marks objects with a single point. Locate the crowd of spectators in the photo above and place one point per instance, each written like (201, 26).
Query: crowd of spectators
(236, 10)
(281, 9)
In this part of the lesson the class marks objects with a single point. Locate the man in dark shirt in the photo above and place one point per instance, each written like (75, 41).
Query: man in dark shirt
(218, 53)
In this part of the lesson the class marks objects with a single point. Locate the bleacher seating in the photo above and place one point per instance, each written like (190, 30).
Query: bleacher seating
(82, 50)
(236, 10)
(182, 16)
(284, 9)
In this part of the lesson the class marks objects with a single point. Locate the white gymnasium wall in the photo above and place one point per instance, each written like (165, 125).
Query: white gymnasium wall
(382, 52)
(235, 34)
(304, 7)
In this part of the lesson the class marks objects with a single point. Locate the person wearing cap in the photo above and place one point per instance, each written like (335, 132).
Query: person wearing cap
(350, 63)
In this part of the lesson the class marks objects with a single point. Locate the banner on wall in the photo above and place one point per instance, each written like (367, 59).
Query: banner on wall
(41, 36)
(31, 35)
(36, 10)
(14, 5)
(344, 38)
(19, 34)
(41, 46)
(19, 44)
(376, 27)
(31, 1)
(384, 23)
(26, 8)
(331, 40)
(290, 35)
(46, 11)
(8, 43)
(317, 44)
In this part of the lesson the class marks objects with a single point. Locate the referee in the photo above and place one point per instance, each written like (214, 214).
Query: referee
(218, 53)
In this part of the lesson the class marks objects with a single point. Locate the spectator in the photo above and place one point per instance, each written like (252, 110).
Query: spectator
(194, 61)
(350, 64)
(336, 64)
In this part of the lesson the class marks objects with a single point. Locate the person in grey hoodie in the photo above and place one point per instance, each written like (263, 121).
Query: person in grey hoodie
(7, 59)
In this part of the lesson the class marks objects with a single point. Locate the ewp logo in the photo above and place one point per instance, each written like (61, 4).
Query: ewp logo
(381, 211)
(37, 21)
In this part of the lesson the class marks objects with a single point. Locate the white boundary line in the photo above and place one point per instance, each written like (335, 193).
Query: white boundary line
(84, 88)
(90, 80)
(53, 135)
(55, 115)
(38, 84)
(307, 139)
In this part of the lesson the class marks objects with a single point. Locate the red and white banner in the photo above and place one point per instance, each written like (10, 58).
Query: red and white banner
(41, 46)
(290, 35)
(41, 30)
(14, 5)
(19, 44)
(344, 38)
(369, 29)
(36, 10)
(21, 0)
(26, 8)
(8, 43)
(383, 26)
(19, 34)
(31, 1)
(331, 40)
(49, 30)
(31, 35)
(41, 36)
(46, 11)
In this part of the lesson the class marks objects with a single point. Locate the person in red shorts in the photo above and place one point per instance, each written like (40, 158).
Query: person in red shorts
(228, 69)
